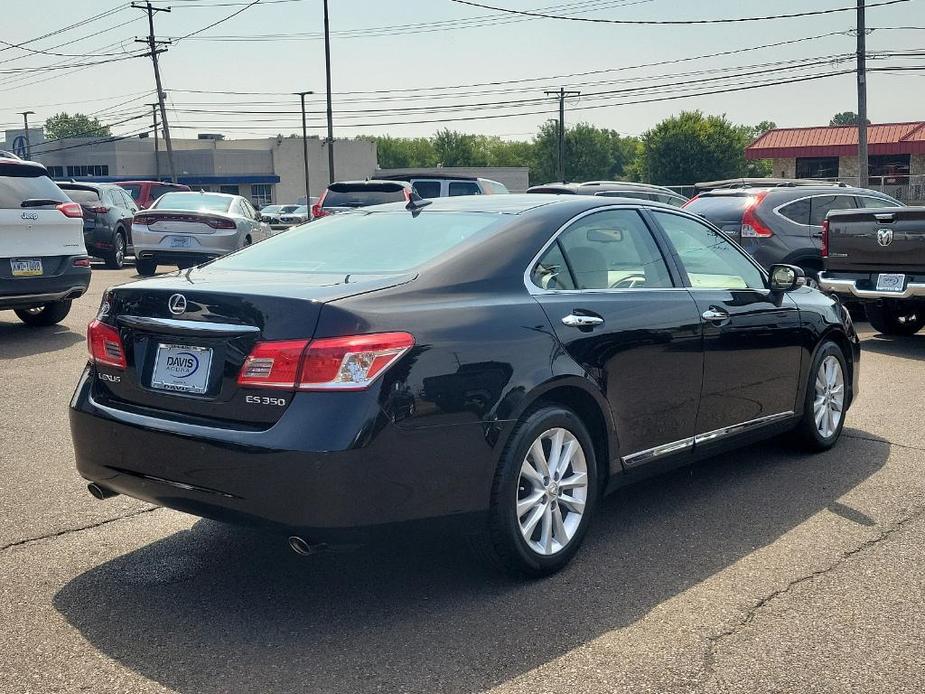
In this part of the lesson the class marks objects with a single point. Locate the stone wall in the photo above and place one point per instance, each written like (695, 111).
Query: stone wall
(784, 168)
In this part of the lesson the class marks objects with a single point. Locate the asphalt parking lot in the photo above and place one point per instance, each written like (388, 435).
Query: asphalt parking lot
(760, 571)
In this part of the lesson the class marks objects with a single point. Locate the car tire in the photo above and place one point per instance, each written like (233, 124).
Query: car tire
(145, 268)
(116, 259)
(535, 526)
(43, 316)
(247, 242)
(895, 320)
(826, 401)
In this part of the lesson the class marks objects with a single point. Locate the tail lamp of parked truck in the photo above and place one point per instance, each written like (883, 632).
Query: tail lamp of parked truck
(752, 227)
(825, 238)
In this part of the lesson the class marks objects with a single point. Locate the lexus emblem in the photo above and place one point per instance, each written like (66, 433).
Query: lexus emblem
(884, 237)
(177, 304)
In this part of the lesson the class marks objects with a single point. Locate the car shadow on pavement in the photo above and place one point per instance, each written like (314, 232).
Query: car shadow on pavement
(912, 347)
(19, 340)
(215, 609)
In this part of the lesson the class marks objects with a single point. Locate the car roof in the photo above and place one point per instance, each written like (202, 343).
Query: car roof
(795, 191)
(516, 203)
(371, 183)
(80, 185)
(435, 176)
(160, 183)
(592, 187)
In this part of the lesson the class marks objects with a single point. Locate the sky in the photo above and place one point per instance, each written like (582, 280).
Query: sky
(412, 67)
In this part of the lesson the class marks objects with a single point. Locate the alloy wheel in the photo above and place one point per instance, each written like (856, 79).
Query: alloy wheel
(120, 250)
(552, 491)
(828, 406)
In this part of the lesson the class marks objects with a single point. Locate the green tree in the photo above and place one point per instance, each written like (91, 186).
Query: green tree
(591, 153)
(457, 149)
(405, 152)
(758, 168)
(78, 125)
(846, 118)
(692, 147)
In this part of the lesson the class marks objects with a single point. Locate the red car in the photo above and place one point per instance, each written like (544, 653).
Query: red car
(144, 193)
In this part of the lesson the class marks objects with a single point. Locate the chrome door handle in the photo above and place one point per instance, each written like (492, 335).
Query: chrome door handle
(573, 320)
(715, 315)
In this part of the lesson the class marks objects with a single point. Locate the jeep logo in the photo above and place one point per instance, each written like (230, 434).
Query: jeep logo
(31, 216)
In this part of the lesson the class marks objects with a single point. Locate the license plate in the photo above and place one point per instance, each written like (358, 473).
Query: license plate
(181, 368)
(180, 242)
(26, 267)
(891, 283)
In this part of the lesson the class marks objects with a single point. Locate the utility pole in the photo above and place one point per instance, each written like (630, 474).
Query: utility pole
(327, 69)
(862, 96)
(562, 93)
(308, 195)
(25, 119)
(157, 147)
(154, 51)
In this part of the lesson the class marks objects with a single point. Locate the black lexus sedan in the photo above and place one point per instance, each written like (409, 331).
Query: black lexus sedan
(497, 361)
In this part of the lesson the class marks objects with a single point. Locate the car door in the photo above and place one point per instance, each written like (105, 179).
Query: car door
(752, 337)
(619, 311)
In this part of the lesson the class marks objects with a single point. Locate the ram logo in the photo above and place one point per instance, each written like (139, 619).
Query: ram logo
(884, 237)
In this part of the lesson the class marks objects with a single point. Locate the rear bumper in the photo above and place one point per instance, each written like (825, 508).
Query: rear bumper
(859, 288)
(342, 490)
(61, 281)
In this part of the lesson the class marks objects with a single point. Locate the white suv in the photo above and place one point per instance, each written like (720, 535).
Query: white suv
(43, 261)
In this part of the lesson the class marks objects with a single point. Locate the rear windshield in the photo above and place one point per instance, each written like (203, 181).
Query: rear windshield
(359, 243)
(193, 202)
(82, 194)
(720, 208)
(19, 183)
(361, 197)
(133, 189)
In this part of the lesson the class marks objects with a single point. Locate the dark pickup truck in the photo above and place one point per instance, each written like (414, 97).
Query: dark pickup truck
(877, 257)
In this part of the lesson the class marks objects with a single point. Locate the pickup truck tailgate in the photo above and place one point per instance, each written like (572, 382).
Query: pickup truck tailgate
(883, 239)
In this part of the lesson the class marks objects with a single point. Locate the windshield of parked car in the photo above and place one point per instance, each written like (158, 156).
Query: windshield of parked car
(362, 197)
(82, 194)
(270, 209)
(358, 243)
(133, 189)
(720, 207)
(286, 209)
(193, 202)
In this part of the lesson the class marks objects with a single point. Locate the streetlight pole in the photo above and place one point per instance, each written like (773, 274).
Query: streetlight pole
(25, 119)
(327, 70)
(862, 96)
(308, 195)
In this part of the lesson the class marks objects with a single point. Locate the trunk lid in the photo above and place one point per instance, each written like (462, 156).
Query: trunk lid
(184, 222)
(224, 314)
(880, 239)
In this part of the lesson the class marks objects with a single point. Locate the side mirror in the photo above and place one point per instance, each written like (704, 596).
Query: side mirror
(785, 278)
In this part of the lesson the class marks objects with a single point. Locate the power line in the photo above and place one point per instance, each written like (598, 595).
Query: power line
(220, 21)
(674, 22)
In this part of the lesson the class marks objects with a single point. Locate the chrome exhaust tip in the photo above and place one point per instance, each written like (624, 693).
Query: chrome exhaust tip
(99, 492)
(303, 547)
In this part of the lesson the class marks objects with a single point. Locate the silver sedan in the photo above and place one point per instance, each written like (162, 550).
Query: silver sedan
(187, 228)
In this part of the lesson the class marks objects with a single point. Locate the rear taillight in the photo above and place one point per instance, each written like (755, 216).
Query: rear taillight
(105, 345)
(335, 363)
(70, 209)
(752, 227)
(825, 238)
(99, 209)
(220, 223)
(144, 219)
(81, 262)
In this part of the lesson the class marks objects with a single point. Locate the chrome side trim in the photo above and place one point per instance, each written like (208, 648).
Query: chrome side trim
(652, 453)
(739, 428)
(640, 457)
(831, 284)
(187, 327)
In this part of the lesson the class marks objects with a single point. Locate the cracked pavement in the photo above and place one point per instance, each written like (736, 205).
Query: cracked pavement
(763, 570)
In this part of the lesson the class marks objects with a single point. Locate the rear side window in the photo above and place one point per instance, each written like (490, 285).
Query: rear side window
(823, 204)
(797, 211)
(362, 197)
(82, 195)
(364, 243)
(552, 272)
(871, 202)
(427, 189)
(464, 188)
(19, 183)
(720, 208)
(612, 250)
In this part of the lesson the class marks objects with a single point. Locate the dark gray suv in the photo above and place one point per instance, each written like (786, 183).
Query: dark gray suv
(107, 212)
(782, 223)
